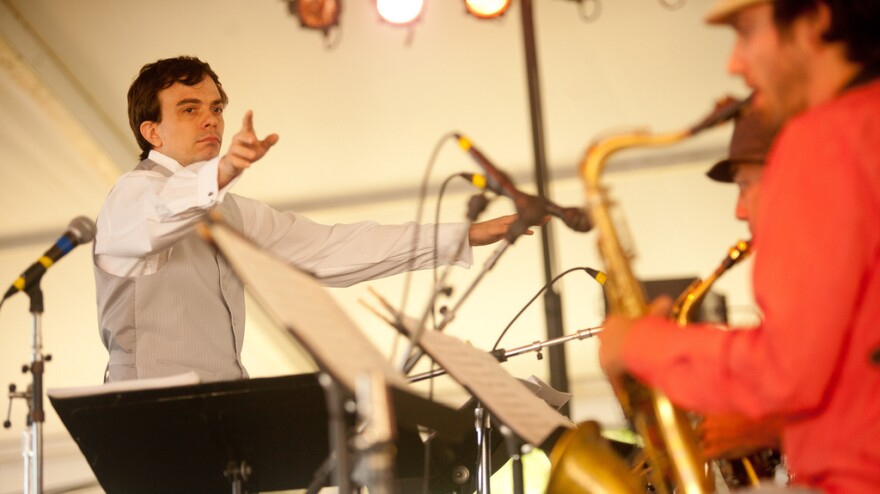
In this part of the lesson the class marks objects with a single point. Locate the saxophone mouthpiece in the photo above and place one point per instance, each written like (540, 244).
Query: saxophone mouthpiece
(726, 109)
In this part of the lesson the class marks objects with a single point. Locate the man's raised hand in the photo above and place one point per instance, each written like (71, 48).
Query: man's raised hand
(245, 149)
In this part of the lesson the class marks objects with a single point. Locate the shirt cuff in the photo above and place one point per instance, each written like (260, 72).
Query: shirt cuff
(448, 238)
(208, 192)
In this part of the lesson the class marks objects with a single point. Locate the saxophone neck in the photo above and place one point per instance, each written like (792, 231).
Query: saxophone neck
(599, 152)
(725, 109)
(690, 298)
(597, 155)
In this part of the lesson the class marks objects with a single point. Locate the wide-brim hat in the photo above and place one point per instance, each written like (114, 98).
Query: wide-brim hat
(722, 10)
(750, 143)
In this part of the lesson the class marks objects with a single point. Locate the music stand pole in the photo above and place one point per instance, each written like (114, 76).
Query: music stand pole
(33, 445)
(514, 451)
(338, 432)
(484, 448)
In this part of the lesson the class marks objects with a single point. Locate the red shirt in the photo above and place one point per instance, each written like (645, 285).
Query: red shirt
(817, 280)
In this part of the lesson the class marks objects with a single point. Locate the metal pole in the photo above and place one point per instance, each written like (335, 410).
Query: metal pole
(338, 432)
(484, 449)
(33, 456)
(37, 412)
(552, 300)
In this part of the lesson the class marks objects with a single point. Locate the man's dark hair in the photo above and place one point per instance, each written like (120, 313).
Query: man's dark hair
(855, 23)
(143, 95)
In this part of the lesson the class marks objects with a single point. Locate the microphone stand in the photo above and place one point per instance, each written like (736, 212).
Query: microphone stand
(476, 205)
(482, 420)
(483, 425)
(502, 355)
(449, 315)
(528, 215)
(32, 444)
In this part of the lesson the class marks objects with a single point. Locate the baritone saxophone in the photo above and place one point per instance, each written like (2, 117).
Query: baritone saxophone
(669, 439)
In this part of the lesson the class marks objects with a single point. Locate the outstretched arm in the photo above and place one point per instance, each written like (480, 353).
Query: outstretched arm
(491, 231)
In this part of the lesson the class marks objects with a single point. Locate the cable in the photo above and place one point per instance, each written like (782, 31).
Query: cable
(437, 235)
(437, 227)
(423, 194)
(595, 274)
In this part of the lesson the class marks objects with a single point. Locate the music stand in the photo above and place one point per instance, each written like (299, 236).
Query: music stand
(194, 438)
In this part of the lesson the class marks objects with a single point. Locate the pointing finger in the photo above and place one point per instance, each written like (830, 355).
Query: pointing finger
(248, 124)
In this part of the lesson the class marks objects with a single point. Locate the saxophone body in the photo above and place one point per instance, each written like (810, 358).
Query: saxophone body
(669, 440)
(748, 470)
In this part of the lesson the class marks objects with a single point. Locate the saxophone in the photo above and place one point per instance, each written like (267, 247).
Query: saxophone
(684, 308)
(747, 470)
(669, 439)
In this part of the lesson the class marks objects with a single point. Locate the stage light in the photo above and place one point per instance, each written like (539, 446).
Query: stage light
(400, 11)
(487, 9)
(316, 14)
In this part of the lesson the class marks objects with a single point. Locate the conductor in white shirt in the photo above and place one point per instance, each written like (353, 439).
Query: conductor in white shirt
(167, 302)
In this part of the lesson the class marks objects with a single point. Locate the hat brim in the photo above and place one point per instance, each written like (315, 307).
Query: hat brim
(721, 171)
(723, 10)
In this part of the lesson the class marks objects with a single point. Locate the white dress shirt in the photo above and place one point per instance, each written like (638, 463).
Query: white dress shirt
(147, 212)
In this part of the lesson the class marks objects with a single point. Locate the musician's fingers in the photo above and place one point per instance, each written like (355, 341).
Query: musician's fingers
(270, 140)
(247, 124)
(660, 306)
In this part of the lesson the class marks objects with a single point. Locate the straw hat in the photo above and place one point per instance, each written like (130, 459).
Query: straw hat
(722, 10)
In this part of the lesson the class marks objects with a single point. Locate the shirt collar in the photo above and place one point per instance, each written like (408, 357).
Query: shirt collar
(171, 163)
(166, 161)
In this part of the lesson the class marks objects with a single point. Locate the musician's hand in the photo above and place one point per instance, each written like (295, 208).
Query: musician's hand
(491, 231)
(245, 149)
(614, 333)
(734, 436)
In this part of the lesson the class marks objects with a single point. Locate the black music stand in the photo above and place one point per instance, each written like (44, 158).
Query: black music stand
(196, 438)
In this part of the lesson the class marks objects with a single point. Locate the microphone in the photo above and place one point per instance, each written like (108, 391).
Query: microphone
(574, 218)
(499, 183)
(80, 231)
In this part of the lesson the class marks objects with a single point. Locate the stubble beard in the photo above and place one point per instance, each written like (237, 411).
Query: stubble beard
(786, 93)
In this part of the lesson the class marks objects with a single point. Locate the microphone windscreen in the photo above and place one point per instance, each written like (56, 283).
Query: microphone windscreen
(83, 229)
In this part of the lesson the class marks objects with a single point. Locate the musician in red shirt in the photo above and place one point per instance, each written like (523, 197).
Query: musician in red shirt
(815, 359)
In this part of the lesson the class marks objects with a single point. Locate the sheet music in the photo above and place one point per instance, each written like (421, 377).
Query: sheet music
(551, 396)
(297, 303)
(506, 397)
